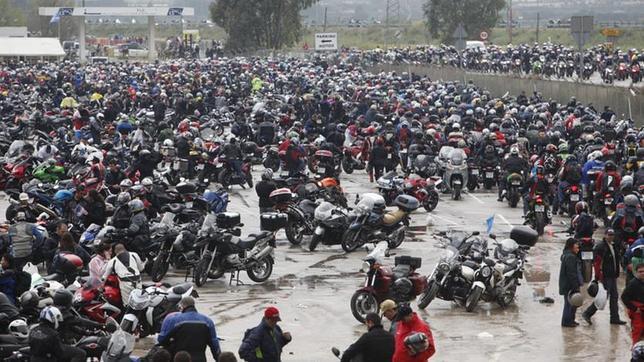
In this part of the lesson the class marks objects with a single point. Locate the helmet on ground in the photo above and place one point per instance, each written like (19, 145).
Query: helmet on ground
(63, 298)
(19, 328)
(135, 205)
(52, 315)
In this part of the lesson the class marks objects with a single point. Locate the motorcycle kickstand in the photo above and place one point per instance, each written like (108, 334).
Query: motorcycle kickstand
(237, 281)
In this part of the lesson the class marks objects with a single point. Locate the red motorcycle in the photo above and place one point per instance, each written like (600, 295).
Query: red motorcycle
(98, 301)
(356, 156)
(636, 75)
(401, 283)
(16, 174)
(424, 190)
(622, 71)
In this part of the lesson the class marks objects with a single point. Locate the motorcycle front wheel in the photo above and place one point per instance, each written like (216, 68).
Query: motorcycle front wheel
(201, 272)
(261, 270)
(315, 240)
(473, 299)
(363, 303)
(393, 244)
(431, 201)
(347, 165)
(159, 267)
(428, 294)
(351, 240)
(294, 231)
(505, 299)
(539, 223)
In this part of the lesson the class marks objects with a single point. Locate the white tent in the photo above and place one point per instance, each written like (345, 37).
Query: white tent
(31, 47)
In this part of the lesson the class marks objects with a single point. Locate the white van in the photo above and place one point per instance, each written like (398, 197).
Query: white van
(473, 44)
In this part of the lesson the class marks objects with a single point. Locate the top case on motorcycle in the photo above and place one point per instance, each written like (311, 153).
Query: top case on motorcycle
(393, 217)
(252, 239)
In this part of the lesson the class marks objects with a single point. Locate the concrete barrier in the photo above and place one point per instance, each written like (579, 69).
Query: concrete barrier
(622, 100)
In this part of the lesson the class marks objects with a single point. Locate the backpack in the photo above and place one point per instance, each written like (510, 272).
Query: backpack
(574, 174)
(585, 225)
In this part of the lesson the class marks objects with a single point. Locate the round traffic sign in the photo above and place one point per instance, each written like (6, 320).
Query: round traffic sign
(483, 35)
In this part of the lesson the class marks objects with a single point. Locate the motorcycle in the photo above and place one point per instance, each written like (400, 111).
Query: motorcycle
(228, 176)
(99, 301)
(401, 283)
(489, 175)
(572, 195)
(473, 175)
(370, 226)
(514, 184)
(424, 190)
(636, 74)
(222, 251)
(49, 172)
(539, 215)
(456, 173)
(300, 214)
(271, 158)
(586, 246)
(175, 247)
(330, 223)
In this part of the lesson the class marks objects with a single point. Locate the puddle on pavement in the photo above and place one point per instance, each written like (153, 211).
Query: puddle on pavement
(320, 264)
(537, 275)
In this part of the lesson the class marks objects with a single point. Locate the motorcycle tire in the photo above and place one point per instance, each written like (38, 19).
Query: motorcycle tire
(393, 244)
(539, 223)
(456, 193)
(431, 201)
(315, 240)
(571, 208)
(348, 242)
(513, 200)
(473, 299)
(11, 212)
(159, 267)
(363, 303)
(587, 270)
(428, 294)
(292, 235)
(224, 178)
(266, 266)
(504, 300)
(200, 274)
(347, 166)
(216, 270)
(273, 164)
(488, 184)
(249, 180)
(471, 186)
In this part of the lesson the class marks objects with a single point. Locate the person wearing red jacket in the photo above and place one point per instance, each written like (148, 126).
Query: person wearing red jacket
(410, 324)
(633, 298)
(601, 183)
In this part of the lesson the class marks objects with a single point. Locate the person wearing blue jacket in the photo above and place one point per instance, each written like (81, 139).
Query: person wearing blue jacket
(189, 331)
(594, 163)
(264, 343)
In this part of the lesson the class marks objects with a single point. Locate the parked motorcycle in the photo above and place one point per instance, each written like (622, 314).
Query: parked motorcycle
(330, 223)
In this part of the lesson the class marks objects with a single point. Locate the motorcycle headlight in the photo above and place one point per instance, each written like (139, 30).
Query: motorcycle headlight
(443, 268)
(486, 272)
(366, 266)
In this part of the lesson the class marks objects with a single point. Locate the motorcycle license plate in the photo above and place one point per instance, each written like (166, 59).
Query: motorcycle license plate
(586, 255)
(608, 201)
(516, 183)
(539, 208)
(475, 172)
(321, 170)
(200, 166)
(574, 197)
(457, 182)
(489, 174)
(319, 230)
(389, 156)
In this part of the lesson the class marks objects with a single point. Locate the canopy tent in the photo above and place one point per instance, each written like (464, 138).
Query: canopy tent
(31, 47)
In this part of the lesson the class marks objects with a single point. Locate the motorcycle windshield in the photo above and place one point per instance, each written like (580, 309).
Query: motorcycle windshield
(445, 152)
(378, 253)
(457, 157)
(323, 212)
(167, 219)
(121, 344)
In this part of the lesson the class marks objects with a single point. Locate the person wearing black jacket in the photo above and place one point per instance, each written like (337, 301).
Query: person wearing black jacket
(606, 264)
(377, 159)
(8, 312)
(377, 345)
(45, 341)
(633, 298)
(513, 164)
(264, 189)
(96, 213)
(569, 280)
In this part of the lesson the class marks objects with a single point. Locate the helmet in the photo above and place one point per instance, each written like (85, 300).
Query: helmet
(581, 206)
(147, 183)
(416, 342)
(514, 151)
(19, 328)
(575, 299)
(563, 147)
(52, 315)
(456, 127)
(593, 288)
(627, 182)
(641, 231)
(267, 174)
(168, 143)
(136, 205)
(594, 155)
(295, 141)
(341, 127)
(494, 127)
(63, 298)
(462, 144)
(123, 198)
(610, 166)
(418, 134)
(631, 200)
(145, 153)
(62, 196)
(550, 148)
(29, 300)
(125, 184)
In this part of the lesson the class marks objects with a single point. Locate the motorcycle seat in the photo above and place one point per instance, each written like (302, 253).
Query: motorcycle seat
(471, 264)
(181, 288)
(250, 241)
(391, 218)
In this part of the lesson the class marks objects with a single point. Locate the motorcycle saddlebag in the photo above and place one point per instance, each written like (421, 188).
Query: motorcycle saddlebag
(406, 203)
(418, 281)
(524, 235)
(280, 196)
(186, 188)
(228, 220)
(413, 262)
(272, 221)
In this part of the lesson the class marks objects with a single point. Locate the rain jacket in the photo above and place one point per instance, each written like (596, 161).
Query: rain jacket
(403, 330)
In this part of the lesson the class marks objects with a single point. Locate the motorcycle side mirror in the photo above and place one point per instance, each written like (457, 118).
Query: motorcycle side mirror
(336, 352)
(357, 198)
(493, 236)
(476, 233)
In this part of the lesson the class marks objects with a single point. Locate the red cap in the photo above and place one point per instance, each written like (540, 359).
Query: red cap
(272, 312)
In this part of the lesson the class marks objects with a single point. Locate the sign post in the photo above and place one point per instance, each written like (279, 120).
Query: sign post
(580, 28)
(326, 41)
(459, 37)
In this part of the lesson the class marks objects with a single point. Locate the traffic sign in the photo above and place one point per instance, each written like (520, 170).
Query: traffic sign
(484, 35)
(459, 33)
(326, 41)
(611, 32)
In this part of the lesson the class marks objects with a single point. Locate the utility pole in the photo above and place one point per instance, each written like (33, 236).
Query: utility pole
(508, 23)
(325, 10)
(392, 15)
(537, 27)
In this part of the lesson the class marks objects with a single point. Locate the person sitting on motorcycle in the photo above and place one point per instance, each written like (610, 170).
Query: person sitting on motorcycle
(601, 182)
(127, 267)
(455, 135)
(233, 153)
(265, 132)
(83, 149)
(26, 206)
(145, 163)
(631, 166)
(626, 188)
(97, 169)
(489, 158)
(114, 175)
(337, 136)
(569, 175)
(241, 129)
(138, 230)
(536, 185)
(583, 224)
(594, 164)
(628, 218)
(263, 189)
(149, 198)
(635, 250)
(45, 342)
(513, 164)
(294, 157)
(419, 148)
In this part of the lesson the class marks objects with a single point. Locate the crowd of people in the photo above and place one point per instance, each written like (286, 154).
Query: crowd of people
(113, 126)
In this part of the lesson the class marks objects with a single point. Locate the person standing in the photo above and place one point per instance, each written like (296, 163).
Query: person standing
(633, 298)
(389, 309)
(569, 280)
(377, 345)
(23, 236)
(189, 331)
(265, 342)
(412, 349)
(127, 266)
(606, 264)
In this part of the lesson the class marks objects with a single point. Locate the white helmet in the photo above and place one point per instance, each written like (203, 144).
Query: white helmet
(595, 155)
(19, 328)
(168, 143)
(456, 127)
(52, 315)
(147, 183)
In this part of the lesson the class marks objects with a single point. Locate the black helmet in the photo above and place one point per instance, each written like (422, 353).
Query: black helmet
(63, 299)
(419, 134)
(29, 300)
(610, 166)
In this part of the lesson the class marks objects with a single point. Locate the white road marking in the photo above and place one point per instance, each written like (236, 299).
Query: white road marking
(505, 220)
(475, 198)
(446, 220)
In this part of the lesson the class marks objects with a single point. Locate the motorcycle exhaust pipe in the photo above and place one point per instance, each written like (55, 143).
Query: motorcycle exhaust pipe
(267, 250)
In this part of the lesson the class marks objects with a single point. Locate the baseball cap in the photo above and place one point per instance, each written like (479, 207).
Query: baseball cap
(387, 305)
(272, 312)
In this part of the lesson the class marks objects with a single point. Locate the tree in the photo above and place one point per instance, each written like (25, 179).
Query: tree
(10, 15)
(443, 16)
(252, 24)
